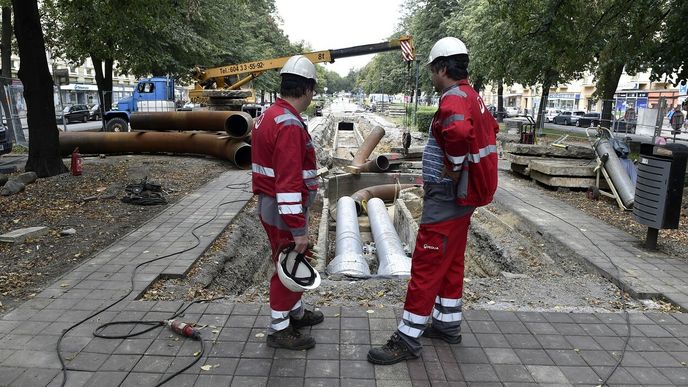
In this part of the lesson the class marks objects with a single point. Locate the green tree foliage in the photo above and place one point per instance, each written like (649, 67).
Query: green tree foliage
(166, 37)
(623, 37)
(668, 58)
(387, 73)
(425, 21)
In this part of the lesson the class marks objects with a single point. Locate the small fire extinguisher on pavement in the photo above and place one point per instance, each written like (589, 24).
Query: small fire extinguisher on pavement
(76, 162)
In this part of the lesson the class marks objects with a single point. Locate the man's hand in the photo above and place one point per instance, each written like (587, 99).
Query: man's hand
(451, 174)
(301, 243)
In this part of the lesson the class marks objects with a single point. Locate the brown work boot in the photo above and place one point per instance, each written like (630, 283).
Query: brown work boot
(309, 318)
(433, 333)
(290, 338)
(393, 352)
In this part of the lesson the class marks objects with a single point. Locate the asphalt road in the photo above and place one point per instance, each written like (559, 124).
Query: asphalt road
(90, 126)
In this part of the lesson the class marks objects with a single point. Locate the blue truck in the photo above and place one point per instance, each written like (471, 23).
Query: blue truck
(155, 94)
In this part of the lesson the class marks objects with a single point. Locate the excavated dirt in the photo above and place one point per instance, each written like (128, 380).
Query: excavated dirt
(90, 205)
(507, 268)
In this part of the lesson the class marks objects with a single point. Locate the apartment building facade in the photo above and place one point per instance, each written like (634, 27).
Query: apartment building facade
(636, 91)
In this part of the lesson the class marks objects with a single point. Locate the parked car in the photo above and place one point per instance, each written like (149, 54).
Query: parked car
(94, 113)
(73, 113)
(567, 117)
(5, 143)
(623, 126)
(589, 119)
(550, 114)
(511, 111)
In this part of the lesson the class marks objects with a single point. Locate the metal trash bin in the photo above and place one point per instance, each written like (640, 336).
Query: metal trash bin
(659, 189)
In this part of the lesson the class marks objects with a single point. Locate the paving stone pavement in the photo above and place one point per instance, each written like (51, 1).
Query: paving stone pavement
(499, 348)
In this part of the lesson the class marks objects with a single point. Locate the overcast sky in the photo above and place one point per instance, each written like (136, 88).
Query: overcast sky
(329, 24)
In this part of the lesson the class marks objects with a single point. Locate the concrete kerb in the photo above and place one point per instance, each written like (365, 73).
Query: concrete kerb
(604, 265)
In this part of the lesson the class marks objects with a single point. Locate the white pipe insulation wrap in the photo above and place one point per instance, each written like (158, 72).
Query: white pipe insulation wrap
(348, 258)
(390, 252)
(622, 182)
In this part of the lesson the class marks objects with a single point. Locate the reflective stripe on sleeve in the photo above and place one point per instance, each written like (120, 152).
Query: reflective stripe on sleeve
(289, 197)
(455, 91)
(453, 118)
(289, 209)
(309, 173)
(473, 157)
(288, 118)
(259, 169)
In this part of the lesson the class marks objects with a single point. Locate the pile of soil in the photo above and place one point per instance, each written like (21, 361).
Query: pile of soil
(90, 205)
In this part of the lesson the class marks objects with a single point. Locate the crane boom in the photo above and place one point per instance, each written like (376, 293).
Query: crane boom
(255, 69)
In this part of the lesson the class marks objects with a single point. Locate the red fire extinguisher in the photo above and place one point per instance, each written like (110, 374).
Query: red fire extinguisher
(76, 162)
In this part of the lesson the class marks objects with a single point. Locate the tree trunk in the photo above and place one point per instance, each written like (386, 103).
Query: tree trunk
(478, 84)
(609, 82)
(44, 143)
(500, 101)
(549, 78)
(104, 82)
(6, 45)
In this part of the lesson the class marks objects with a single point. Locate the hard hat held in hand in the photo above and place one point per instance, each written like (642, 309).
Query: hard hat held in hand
(295, 272)
(447, 47)
(299, 65)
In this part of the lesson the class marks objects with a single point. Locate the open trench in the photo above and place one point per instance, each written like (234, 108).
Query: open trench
(508, 267)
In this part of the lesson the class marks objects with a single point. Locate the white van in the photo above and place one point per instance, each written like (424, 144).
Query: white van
(551, 113)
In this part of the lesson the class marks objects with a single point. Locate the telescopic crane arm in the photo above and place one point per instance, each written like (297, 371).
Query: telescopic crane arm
(251, 70)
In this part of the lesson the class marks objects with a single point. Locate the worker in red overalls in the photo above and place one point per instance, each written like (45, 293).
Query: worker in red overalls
(285, 180)
(459, 174)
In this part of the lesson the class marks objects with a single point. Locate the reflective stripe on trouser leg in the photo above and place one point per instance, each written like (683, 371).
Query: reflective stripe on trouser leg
(411, 328)
(280, 319)
(448, 314)
(434, 260)
(281, 298)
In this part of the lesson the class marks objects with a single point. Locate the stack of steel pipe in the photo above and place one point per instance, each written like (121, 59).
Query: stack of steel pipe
(348, 258)
(235, 124)
(236, 151)
(389, 250)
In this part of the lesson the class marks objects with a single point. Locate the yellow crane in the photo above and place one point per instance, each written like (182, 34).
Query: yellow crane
(218, 87)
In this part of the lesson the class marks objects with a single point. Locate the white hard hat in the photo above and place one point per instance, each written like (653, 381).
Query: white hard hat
(447, 47)
(299, 65)
(294, 271)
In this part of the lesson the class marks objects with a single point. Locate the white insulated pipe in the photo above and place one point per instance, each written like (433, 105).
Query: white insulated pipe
(390, 252)
(348, 258)
(622, 182)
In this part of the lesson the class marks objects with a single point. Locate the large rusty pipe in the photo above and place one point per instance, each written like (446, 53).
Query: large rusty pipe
(235, 124)
(224, 148)
(368, 145)
(386, 192)
(378, 164)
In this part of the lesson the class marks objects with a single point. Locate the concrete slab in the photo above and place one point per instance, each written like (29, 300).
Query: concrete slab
(20, 235)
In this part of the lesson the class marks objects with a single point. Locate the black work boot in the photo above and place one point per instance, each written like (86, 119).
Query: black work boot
(309, 318)
(432, 333)
(290, 338)
(393, 352)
